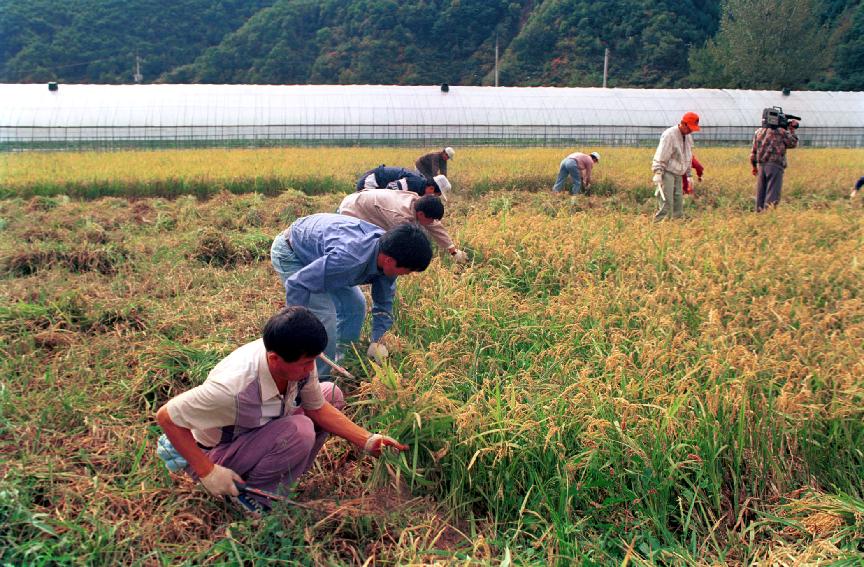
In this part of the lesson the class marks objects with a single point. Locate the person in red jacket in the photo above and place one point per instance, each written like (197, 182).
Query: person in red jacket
(687, 185)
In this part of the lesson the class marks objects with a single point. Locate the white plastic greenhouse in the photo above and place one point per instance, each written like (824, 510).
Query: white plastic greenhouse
(104, 116)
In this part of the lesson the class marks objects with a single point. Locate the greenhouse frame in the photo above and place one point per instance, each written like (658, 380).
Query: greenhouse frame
(51, 116)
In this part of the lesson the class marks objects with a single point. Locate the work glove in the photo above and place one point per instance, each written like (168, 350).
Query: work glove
(172, 458)
(377, 352)
(220, 481)
(658, 178)
(377, 442)
(460, 257)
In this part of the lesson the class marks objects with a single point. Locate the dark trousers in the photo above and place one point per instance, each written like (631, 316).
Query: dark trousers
(769, 182)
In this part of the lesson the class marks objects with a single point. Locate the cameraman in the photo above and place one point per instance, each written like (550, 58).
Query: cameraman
(768, 157)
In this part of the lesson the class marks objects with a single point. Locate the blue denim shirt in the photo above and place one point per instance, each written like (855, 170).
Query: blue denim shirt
(340, 251)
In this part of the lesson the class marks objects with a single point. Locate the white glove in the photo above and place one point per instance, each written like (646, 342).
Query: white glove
(220, 481)
(377, 352)
(377, 442)
(460, 257)
(658, 178)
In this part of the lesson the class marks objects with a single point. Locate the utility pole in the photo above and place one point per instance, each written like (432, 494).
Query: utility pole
(605, 67)
(138, 76)
(496, 58)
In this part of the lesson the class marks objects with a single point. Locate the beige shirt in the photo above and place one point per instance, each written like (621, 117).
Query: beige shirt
(674, 153)
(389, 209)
(238, 378)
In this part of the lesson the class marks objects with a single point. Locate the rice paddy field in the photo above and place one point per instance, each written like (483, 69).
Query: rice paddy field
(592, 389)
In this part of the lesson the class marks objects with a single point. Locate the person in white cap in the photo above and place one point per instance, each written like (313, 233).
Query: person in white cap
(433, 164)
(578, 166)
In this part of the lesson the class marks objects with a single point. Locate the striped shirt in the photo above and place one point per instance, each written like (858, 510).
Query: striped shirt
(769, 146)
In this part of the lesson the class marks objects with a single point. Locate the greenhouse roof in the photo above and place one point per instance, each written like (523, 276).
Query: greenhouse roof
(33, 105)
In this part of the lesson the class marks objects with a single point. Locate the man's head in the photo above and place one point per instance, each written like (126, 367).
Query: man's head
(404, 249)
(689, 123)
(595, 156)
(428, 209)
(448, 153)
(431, 188)
(293, 337)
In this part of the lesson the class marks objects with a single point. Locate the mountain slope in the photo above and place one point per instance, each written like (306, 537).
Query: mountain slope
(541, 42)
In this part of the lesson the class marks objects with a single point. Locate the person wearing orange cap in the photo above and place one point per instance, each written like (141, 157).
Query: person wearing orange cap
(671, 162)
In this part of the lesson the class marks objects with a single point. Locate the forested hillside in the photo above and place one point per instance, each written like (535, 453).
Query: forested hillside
(96, 41)
(736, 43)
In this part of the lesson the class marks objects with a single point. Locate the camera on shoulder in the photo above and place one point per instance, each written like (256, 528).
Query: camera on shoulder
(774, 117)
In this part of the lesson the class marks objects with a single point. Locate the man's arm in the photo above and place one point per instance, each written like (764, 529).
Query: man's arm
(439, 234)
(700, 169)
(383, 290)
(334, 421)
(442, 166)
(662, 154)
(790, 138)
(216, 479)
(754, 152)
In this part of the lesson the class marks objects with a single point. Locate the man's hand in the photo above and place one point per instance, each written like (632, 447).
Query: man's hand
(658, 178)
(377, 352)
(376, 443)
(460, 257)
(220, 481)
(755, 170)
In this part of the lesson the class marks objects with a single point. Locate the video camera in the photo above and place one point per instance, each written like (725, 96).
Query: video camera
(775, 118)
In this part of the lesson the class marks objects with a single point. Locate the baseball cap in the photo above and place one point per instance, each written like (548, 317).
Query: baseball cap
(450, 152)
(691, 119)
(596, 156)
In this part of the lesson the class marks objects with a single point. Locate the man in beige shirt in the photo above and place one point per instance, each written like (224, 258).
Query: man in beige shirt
(672, 161)
(242, 426)
(389, 209)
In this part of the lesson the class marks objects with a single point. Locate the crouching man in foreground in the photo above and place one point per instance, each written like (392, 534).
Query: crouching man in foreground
(242, 425)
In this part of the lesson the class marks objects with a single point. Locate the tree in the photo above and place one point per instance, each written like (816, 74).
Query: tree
(769, 44)
(849, 62)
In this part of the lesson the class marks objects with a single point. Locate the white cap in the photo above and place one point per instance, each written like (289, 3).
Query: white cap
(443, 184)
(450, 152)
(596, 156)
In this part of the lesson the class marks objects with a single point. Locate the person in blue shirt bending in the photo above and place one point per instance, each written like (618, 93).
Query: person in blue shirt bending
(323, 258)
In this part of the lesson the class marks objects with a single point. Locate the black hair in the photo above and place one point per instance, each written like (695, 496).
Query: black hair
(431, 183)
(294, 332)
(408, 245)
(431, 206)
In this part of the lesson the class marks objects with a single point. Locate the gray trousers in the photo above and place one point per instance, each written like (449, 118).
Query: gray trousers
(671, 202)
(769, 183)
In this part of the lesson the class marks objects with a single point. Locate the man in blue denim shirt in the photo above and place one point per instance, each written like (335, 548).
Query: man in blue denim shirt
(322, 258)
